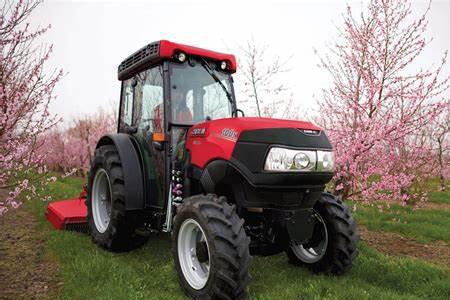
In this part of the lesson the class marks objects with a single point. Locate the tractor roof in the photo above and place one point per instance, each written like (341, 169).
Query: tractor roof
(157, 51)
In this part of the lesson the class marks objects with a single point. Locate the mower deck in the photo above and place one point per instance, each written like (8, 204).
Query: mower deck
(68, 214)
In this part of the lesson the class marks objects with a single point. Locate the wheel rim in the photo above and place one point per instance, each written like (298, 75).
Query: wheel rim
(193, 254)
(101, 200)
(312, 254)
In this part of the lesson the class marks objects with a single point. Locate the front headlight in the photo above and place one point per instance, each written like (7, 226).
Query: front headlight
(288, 160)
(325, 161)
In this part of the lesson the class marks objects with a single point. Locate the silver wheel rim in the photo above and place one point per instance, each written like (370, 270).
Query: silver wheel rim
(101, 200)
(195, 270)
(312, 254)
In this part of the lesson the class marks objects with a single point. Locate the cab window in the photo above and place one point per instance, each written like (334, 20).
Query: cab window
(196, 95)
(126, 117)
(148, 98)
(142, 101)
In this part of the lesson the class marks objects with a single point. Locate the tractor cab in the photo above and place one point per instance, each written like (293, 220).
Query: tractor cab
(191, 84)
(166, 89)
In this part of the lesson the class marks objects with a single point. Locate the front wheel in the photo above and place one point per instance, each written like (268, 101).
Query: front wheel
(111, 226)
(210, 249)
(332, 247)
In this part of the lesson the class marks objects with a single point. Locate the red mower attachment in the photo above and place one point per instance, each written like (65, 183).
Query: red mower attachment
(68, 214)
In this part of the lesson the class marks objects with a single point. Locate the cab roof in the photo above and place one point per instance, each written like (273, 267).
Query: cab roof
(163, 49)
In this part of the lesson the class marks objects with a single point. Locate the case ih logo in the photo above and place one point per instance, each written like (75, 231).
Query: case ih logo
(229, 134)
(198, 131)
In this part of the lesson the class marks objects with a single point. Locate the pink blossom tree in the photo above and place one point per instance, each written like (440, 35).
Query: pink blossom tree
(25, 94)
(84, 134)
(441, 136)
(70, 149)
(378, 99)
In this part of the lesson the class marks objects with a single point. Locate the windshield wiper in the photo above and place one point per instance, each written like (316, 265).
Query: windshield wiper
(211, 72)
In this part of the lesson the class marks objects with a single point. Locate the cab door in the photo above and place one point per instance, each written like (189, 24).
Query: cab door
(142, 115)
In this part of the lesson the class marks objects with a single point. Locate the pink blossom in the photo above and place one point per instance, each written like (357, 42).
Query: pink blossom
(15, 204)
(70, 150)
(377, 115)
(25, 94)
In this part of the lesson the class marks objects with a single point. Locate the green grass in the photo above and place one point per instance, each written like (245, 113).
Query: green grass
(148, 273)
(423, 225)
(434, 194)
(440, 197)
(375, 276)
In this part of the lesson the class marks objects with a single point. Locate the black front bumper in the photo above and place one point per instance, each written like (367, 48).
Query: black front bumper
(299, 197)
(281, 180)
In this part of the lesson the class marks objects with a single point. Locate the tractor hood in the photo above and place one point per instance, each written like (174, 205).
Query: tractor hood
(232, 128)
(230, 138)
(251, 123)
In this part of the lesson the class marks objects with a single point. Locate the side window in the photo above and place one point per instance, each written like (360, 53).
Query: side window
(142, 105)
(127, 104)
(148, 99)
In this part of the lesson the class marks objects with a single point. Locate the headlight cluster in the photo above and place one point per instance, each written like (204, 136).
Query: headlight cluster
(290, 160)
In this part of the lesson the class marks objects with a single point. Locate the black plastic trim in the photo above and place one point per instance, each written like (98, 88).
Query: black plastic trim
(217, 170)
(251, 149)
(286, 136)
(213, 173)
(140, 59)
(281, 180)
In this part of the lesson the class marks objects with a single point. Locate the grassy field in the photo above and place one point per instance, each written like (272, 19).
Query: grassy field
(440, 197)
(148, 273)
(424, 225)
(434, 195)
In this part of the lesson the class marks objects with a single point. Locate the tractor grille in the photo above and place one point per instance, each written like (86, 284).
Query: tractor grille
(138, 59)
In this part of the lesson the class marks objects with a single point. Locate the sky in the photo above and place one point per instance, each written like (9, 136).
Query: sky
(91, 38)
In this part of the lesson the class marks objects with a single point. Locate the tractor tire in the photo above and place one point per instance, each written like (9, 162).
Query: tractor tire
(111, 226)
(210, 249)
(342, 238)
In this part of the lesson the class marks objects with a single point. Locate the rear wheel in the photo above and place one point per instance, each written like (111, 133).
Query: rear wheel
(332, 248)
(210, 249)
(111, 226)
(101, 200)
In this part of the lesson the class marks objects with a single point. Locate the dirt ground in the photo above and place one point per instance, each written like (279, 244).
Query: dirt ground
(25, 271)
(397, 245)
(437, 206)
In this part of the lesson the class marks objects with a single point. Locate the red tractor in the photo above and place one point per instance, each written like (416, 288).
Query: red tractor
(225, 186)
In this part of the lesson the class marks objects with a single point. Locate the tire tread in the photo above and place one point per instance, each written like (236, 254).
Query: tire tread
(121, 233)
(232, 257)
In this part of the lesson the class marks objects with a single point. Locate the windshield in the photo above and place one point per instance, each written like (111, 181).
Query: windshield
(196, 95)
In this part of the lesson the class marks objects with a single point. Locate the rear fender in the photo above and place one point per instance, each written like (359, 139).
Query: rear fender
(131, 159)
